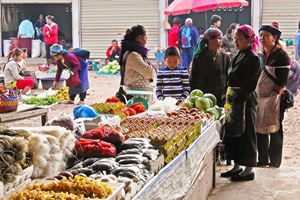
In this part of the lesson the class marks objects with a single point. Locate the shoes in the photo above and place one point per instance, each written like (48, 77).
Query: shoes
(273, 165)
(229, 173)
(262, 165)
(80, 103)
(239, 178)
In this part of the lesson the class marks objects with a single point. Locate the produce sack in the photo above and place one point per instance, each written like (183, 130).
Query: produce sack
(84, 111)
(43, 50)
(94, 148)
(36, 48)
(106, 134)
(234, 113)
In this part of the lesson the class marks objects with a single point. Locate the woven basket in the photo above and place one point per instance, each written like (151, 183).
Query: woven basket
(8, 101)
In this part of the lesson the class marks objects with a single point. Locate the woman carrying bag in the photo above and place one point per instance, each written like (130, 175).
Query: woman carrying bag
(270, 92)
(240, 136)
(78, 81)
(136, 70)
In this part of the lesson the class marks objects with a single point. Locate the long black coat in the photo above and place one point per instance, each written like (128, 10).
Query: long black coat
(209, 73)
(244, 73)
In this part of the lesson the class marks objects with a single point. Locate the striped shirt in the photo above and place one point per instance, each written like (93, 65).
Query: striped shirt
(173, 83)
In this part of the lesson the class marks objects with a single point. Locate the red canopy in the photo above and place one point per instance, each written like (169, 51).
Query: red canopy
(179, 7)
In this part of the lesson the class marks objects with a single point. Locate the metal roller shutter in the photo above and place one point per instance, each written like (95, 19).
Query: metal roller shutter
(102, 21)
(286, 13)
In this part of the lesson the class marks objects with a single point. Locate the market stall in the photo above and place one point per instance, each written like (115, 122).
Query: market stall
(115, 151)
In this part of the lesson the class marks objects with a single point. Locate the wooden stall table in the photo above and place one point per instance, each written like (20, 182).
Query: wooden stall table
(25, 112)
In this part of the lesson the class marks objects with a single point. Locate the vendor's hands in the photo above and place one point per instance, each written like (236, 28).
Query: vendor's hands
(54, 85)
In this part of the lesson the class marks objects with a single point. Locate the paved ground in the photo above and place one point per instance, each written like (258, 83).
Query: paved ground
(270, 183)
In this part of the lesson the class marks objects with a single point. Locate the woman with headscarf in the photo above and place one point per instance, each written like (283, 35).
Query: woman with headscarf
(210, 66)
(78, 82)
(270, 111)
(138, 72)
(244, 74)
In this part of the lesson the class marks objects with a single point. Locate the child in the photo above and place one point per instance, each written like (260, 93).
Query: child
(22, 63)
(172, 80)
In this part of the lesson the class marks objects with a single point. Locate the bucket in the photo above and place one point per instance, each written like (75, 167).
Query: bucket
(47, 83)
(6, 47)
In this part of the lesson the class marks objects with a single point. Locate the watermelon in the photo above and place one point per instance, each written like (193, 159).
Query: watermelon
(197, 93)
(187, 104)
(193, 99)
(211, 103)
(202, 103)
(212, 98)
(220, 110)
(213, 112)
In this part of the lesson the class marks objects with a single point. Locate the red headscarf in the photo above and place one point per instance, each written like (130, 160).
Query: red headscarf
(248, 30)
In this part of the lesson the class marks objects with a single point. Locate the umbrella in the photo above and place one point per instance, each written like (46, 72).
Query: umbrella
(179, 7)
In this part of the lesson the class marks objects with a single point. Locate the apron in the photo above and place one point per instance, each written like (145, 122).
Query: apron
(268, 108)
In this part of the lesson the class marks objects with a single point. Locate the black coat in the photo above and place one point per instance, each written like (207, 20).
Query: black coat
(209, 73)
(244, 73)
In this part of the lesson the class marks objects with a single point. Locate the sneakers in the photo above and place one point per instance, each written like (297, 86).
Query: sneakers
(229, 173)
(239, 178)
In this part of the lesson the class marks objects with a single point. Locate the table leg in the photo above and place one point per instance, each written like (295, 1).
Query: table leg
(214, 167)
(44, 119)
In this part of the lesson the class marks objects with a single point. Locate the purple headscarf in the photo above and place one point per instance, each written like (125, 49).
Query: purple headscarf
(248, 30)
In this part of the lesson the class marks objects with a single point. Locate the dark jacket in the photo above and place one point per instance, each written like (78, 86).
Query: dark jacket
(209, 73)
(244, 73)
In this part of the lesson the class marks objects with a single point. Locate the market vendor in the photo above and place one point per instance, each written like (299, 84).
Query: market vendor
(240, 136)
(113, 51)
(78, 82)
(13, 74)
(210, 65)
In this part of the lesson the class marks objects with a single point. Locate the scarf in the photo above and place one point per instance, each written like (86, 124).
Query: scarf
(132, 46)
(248, 30)
(211, 33)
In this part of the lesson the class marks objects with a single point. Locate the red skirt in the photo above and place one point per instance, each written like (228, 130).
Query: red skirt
(26, 81)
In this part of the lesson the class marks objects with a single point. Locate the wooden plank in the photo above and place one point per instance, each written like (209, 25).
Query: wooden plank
(7, 117)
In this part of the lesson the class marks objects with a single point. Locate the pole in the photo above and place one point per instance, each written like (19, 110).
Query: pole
(206, 20)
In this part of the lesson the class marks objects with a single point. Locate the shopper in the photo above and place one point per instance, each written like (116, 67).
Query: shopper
(13, 74)
(297, 44)
(244, 74)
(172, 79)
(173, 35)
(139, 73)
(39, 24)
(26, 29)
(188, 40)
(228, 43)
(210, 66)
(216, 21)
(78, 81)
(50, 33)
(113, 51)
(270, 111)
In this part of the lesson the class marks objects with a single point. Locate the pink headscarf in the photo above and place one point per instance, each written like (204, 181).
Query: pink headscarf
(248, 30)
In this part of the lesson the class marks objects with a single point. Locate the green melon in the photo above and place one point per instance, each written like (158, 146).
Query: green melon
(212, 98)
(213, 112)
(187, 104)
(197, 93)
(193, 99)
(203, 103)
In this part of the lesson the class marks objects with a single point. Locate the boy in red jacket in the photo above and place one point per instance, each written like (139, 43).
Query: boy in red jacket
(50, 33)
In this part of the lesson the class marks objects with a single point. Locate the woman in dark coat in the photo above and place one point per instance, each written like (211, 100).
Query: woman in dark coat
(210, 66)
(269, 110)
(244, 74)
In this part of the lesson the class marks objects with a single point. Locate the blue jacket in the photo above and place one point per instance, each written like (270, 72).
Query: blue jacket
(194, 35)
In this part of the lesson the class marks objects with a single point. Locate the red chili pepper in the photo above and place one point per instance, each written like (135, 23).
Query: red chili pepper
(112, 100)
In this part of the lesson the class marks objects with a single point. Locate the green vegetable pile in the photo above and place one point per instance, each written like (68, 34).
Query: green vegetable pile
(41, 101)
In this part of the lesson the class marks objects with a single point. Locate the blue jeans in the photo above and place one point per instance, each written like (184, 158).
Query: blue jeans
(187, 56)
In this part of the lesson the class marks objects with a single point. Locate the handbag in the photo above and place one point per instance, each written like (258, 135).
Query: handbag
(73, 80)
(287, 98)
(121, 94)
(8, 100)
